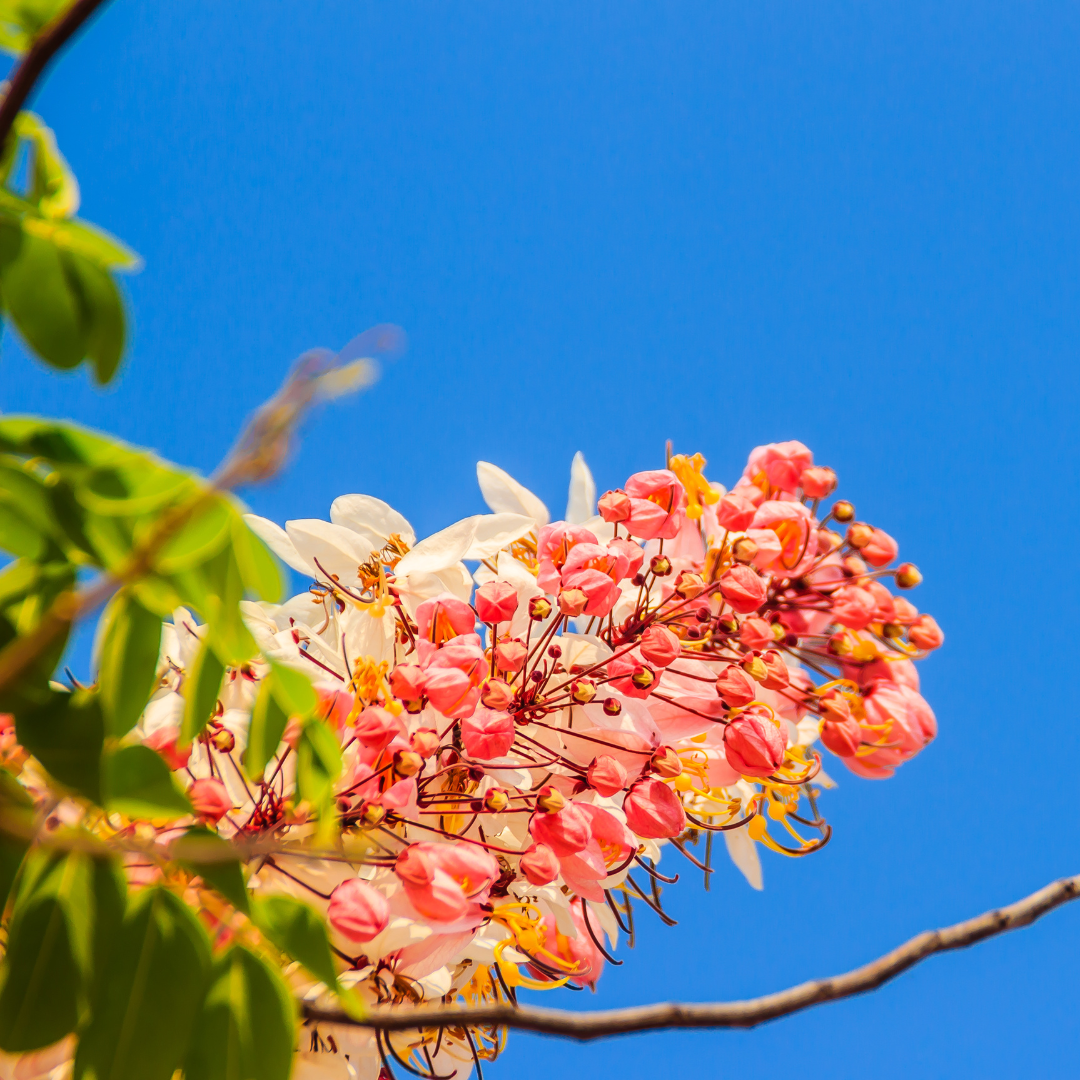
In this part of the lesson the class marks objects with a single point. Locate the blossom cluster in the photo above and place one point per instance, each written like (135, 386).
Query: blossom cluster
(522, 740)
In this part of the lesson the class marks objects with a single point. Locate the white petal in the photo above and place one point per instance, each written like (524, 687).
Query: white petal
(277, 540)
(331, 549)
(496, 531)
(581, 502)
(439, 551)
(744, 855)
(506, 496)
(372, 518)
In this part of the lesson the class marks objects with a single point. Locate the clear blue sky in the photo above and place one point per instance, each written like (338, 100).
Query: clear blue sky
(608, 224)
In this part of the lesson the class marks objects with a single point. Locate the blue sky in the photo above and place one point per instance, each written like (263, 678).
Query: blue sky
(604, 225)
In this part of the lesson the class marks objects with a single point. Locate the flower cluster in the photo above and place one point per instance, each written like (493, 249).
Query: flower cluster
(520, 742)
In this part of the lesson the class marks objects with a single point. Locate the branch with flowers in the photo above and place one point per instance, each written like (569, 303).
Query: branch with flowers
(335, 834)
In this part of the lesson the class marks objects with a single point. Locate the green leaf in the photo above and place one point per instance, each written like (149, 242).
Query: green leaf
(268, 721)
(201, 690)
(52, 188)
(137, 782)
(83, 238)
(293, 690)
(16, 826)
(130, 644)
(258, 568)
(104, 314)
(204, 535)
(215, 861)
(298, 931)
(66, 736)
(318, 762)
(247, 1029)
(137, 485)
(50, 952)
(150, 996)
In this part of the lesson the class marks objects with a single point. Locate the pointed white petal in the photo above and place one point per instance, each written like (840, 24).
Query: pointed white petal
(744, 855)
(330, 549)
(496, 531)
(506, 496)
(581, 502)
(277, 540)
(441, 550)
(372, 518)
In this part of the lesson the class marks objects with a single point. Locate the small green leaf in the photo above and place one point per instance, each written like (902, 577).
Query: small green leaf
(66, 736)
(201, 690)
(50, 952)
(130, 644)
(318, 762)
(151, 993)
(95, 244)
(215, 861)
(204, 535)
(298, 931)
(138, 485)
(104, 313)
(293, 690)
(247, 1029)
(268, 721)
(258, 568)
(137, 782)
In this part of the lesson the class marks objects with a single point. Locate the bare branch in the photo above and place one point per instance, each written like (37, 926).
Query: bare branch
(727, 1014)
(33, 64)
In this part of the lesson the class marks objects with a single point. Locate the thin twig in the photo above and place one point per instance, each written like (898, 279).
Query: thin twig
(726, 1014)
(33, 64)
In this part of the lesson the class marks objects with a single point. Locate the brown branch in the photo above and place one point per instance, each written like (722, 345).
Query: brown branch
(727, 1014)
(33, 64)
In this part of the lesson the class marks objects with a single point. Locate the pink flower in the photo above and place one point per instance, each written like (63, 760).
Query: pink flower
(841, 736)
(635, 554)
(743, 589)
(444, 617)
(487, 734)
(610, 846)
(735, 512)
(854, 607)
(407, 682)
(446, 882)
(754, 745)
(452, 675)
(376, 728)
(881, 550)
(496, 602)
(566, 831)
(735, 686)
(790, 521)
(553, 545)
(660, 646)
(599, 590)
(657, 505)
(357, 910)
(780, 465)
(756, 634)
(611, 560)
(606, 775)
(632, 677)
(539, 864)
(653, 810)
(510, 655)
(164, 742)
(924, 633)
(210, 799)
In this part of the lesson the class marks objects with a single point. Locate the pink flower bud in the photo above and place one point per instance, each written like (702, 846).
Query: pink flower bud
(210, 799)
(735, 512)
(600, 590)
(487, 734)
(854, 607)
(754, 745)
(497, 694)
(566, 831)
(756, 633)
(572, 601)
(496, 602)
(539, 608)
(164, 742)
(425, 741)
(924, 633)
(606, 775)
(614, 506)
(881, 550)
(666, 762)
(818, 481)
(734, 687)
(407, 682)
(357, 910)
(660, 646)
(539, 864)
(653, 810)
(376, 728)
(634, 552)
(444, 617)
(510, 655)
(743, 589)
(776, 677)
(841, 736)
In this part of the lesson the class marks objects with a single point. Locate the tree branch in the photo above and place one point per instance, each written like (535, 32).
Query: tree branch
(33, 64)
(727, 1014)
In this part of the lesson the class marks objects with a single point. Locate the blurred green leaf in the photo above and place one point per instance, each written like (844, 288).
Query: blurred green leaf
(199, 540)
(318, 762)
(137, 782)
(215, 861)
(16, 826)
(22, 20)
(268, 721)
(130, 644)
(50, 951)
(247, 1028)
(293, 690)
(298, 931)
(151, 993)
(66, 736)
(52, 189)
(201, 690)
(259, 570)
